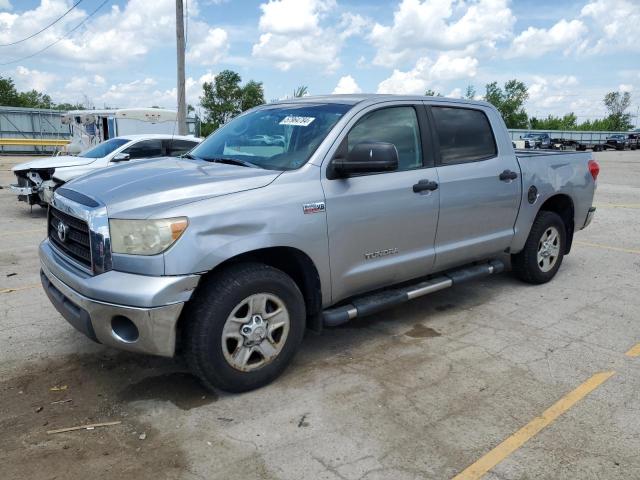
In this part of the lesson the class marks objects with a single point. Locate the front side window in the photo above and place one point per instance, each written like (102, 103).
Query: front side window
(279, 137)
(145, 149)
(105, 148)
(465, 135)
(396, 125)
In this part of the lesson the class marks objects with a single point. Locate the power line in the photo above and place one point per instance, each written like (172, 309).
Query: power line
(42, 30)
(59, 39)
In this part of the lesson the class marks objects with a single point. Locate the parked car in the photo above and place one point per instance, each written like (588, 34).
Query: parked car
(537, 140)
(38, 179)
(616, 141)
(633, 140)
(228, 253)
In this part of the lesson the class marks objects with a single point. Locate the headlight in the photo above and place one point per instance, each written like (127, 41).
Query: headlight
(145, 237)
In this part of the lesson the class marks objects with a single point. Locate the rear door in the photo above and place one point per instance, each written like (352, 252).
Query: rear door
(479, 186)
(380, 230)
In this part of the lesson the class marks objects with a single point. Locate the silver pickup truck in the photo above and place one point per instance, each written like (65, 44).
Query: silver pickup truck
(303, 214)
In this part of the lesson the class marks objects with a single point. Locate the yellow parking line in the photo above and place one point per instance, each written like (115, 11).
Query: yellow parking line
(33, 230)
(515, 441)
(17, 289)
(634, 351)
(606, 247)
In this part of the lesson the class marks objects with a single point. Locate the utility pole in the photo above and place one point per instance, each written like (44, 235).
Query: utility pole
(182, 107)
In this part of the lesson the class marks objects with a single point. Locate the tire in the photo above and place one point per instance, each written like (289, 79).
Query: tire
(527, 264)
(234, 297)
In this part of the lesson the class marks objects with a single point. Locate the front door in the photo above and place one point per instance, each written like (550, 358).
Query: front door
(380, 231)
(478, 205)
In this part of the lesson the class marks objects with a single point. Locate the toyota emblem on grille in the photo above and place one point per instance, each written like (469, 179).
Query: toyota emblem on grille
(62, 231)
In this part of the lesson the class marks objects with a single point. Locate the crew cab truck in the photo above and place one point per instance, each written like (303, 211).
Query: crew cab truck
(348, 205)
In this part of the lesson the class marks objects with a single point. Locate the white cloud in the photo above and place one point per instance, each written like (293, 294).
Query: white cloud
(347, 84)
(614, 25)
(625, 87)
(455, 93)
(111, 38)
(536, 42)
(426, 73)
(210, 49)
(5, 5)
(293, 34)
(293, 16)
(440, 25)
(30, 79)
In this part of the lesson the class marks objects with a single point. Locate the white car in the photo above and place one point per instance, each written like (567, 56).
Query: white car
(39, 178)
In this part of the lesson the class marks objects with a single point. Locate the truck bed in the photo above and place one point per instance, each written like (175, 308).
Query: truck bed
(527, 153)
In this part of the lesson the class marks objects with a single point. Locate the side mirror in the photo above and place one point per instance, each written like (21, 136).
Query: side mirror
(366, 157)
(121, 157)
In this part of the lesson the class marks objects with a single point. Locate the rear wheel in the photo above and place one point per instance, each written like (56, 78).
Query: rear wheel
(244, 326)
(542, 255)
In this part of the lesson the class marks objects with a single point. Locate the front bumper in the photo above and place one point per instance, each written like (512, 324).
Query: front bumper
(21, 190)
(151, 304)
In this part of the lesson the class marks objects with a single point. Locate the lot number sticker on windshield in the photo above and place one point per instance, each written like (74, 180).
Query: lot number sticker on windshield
(297, 121)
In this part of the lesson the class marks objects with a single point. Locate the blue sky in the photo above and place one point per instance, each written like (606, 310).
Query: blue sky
(569, 53)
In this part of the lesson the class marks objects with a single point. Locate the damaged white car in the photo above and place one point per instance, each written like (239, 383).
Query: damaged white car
(38, 179)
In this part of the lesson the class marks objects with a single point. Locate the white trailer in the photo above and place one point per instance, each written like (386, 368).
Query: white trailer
(90, 127)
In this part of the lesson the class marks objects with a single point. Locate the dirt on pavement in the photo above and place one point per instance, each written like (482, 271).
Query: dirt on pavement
(87, 389)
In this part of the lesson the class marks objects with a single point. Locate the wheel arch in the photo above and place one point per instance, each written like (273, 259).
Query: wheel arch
(562, 205)
(295, 263)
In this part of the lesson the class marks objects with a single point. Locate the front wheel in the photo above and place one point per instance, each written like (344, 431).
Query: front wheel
(542, 255)
(243, 327)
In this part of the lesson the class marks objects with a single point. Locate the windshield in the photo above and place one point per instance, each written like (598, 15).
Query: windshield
(281, 137)
(105, 148)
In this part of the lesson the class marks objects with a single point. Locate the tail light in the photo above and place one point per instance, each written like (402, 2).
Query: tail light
(594, 169)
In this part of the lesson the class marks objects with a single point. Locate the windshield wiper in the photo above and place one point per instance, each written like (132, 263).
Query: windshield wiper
(232, 161)
(191, 156)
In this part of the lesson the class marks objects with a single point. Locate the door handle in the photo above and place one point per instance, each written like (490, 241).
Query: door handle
(423, 185)
(508, 175)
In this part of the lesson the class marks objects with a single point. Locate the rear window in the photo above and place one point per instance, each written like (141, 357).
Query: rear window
(465, 135)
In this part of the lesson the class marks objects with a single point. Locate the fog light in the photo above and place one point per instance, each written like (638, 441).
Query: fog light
(124, 329)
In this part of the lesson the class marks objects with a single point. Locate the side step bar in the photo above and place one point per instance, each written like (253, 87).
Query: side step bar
(379, 301)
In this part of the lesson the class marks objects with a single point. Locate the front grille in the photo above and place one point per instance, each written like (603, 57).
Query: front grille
(77, 242)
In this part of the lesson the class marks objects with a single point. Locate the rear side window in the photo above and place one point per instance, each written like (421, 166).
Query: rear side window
(465, 135)
(178, 147)
(145, 149)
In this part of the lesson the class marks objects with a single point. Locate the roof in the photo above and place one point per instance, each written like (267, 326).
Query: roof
(162, 136)
(355, 98)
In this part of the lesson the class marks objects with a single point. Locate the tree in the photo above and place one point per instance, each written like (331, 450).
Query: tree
(567, 122)
(617, 103)
(431, 93)
(509, 102)
(224, 98)
(65, 107)
(470, 93)
(8, 93)
(300, 91)
(252, 95)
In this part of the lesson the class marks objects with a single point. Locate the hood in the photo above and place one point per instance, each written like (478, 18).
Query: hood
(53, 162)
(145, 187)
